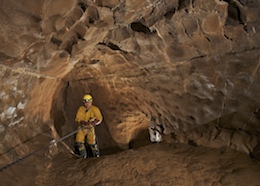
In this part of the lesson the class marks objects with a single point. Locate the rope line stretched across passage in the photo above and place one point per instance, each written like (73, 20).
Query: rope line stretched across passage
(44, 148)
(24, 142)
(21, 159)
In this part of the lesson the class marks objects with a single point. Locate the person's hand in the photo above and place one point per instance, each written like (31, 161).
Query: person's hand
(83, 123)
(93, 123)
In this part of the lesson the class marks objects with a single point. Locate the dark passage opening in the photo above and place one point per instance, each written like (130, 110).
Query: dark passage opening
(65, 104)
(139, 27)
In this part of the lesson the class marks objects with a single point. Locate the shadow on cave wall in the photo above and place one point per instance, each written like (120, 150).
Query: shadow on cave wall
(142, 139)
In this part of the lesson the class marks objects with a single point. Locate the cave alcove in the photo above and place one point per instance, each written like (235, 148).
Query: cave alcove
(68, 98)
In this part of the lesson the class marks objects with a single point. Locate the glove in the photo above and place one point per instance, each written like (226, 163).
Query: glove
(93, 123)
(83, 123)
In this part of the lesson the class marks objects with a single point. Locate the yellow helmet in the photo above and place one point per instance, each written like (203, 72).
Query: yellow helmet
(87, 98)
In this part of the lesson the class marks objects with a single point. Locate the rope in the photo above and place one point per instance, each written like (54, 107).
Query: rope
(21, 159)
(64, 137)
(44, 148)
(25, 141)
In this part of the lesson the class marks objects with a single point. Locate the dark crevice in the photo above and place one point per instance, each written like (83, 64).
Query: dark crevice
(92, 15)
(80, 36)
(207, 39)
(198, 57)
(94, 61)
(191, 117)
(169, 14)
(111, 45)
(235, 16)
(83, 6)
(191, 142)
(139, 27)
(56, 41)
(228, 37)
(91, 21)
(183, 4)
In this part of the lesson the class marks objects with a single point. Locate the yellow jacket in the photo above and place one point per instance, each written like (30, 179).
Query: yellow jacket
(93, 113)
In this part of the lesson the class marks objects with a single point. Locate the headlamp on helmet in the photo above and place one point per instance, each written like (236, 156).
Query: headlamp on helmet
(87, 98)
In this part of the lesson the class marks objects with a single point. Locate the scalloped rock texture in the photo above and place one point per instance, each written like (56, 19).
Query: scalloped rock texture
(192, 65)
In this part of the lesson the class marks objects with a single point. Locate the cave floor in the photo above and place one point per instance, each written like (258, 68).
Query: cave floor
(153, 164)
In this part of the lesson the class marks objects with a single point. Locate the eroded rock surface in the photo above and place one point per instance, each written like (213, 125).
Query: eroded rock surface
(193, 65)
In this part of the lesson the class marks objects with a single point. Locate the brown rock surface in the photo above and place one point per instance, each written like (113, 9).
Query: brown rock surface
(192, 65)
(156, 164)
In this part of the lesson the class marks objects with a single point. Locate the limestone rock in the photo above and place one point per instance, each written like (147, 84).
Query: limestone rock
(193, 65)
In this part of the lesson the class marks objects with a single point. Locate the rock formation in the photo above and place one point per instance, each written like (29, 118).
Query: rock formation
(193, 65)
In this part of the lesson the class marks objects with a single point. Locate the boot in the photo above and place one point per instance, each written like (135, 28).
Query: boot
(81, 149)
(95, 150)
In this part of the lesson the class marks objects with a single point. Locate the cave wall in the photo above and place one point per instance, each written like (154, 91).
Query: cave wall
(193, 65)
